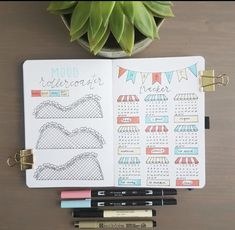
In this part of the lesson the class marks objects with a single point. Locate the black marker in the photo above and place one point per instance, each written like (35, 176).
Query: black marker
(96, 213)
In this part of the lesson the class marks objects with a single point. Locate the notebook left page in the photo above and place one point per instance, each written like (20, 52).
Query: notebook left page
(68, 122)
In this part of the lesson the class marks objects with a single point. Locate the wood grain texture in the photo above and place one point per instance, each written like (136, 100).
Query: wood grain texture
(199, 28)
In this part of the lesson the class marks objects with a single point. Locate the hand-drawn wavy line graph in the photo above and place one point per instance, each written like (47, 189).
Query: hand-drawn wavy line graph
(85, 107)
(55, 136)
(84, 166)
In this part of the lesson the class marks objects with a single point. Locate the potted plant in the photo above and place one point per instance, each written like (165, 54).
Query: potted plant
(112, 28)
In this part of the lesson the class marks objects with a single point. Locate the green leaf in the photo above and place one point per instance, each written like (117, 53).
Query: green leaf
(80, 32)
(95, 17)
(128, 36)
(168, 3)
(143, 20)
(106, 10)
(154, 28)
(101, 43)
(60, 5)
(116, 21)
(79, 17)
(94, 40)
(159, 10)
(128, 8)
(65, 11)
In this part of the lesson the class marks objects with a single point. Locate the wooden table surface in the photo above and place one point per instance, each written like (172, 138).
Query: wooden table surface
(27, 31)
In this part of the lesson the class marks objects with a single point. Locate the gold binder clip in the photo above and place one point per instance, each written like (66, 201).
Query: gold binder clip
(208, 80)
(24, 158)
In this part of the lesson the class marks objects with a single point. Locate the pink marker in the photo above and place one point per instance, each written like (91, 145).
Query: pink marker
(84, 194)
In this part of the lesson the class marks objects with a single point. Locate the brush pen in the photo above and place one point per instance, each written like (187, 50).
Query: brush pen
(88, 203)
(97, 213)
(80, 194)
(114, 224)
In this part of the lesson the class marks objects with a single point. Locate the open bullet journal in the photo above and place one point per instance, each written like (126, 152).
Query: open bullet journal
(123, 122)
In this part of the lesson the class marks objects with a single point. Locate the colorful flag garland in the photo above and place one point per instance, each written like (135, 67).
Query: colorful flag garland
(156, 77)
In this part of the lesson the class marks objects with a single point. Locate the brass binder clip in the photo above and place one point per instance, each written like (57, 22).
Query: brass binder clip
(208, 80)
(24, 158)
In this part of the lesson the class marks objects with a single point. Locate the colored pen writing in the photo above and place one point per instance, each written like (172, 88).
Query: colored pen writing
(89, 213)
(105, 203)
(116, 193)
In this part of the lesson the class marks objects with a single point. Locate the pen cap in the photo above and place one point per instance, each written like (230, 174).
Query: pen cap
(87, 213)
(169, 201)
(154, 224)
(170, 192)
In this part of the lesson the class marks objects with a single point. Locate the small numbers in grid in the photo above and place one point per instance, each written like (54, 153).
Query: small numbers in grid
(153, 108)
(156, 138)
(129, 171)
(187, 170)
(128, 138)
(128, 108)
(186, 107)
(157, 170)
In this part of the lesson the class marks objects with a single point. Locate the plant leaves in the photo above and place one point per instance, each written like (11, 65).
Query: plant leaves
(159, 10)
(106, 10)
(128, 8)
(95, 17)
(79, 17)
(60, 5)
(65, 11)
(94, 40)
(169, 3)
(116, 21)
(154, 28)
(101, 43)
(143, 20)
(80, 32)
(128, 36)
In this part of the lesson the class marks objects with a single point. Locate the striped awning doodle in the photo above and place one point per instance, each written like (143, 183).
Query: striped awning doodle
(128, 129)
(157, 160)
(185, 96)
(186, 160)
(186, 128)
(156, 128)
(129, 160)
(156, 97)
(127, 98)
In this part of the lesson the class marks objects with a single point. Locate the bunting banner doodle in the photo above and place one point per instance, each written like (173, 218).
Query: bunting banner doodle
(182, 74)
(169, 76)
(131, 75)
(157, 76)
(144, 76)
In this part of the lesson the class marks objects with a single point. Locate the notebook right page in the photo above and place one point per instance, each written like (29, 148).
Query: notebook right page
(159, 132)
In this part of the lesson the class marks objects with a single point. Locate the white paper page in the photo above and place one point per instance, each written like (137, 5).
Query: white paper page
(159, 136)
(68, 122)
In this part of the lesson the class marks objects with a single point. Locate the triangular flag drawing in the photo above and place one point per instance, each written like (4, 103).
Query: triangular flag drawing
(131, 76)
(144, 77)
(121, 71)
(182, 74)
(156, 77)
(169, 76)
(193, 69)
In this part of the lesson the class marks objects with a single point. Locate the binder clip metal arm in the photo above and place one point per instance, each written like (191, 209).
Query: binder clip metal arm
(24, 158)
(208, 80)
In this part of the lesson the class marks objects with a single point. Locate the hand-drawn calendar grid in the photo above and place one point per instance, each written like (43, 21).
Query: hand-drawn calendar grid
(160, 124)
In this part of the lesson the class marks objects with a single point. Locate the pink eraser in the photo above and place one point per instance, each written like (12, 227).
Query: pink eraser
(80, 194)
